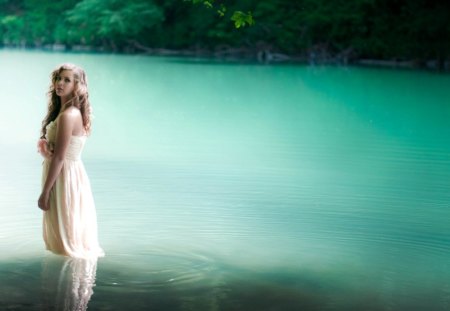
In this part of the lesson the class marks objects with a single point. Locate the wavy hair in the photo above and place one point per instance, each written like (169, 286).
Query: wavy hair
(80, 99)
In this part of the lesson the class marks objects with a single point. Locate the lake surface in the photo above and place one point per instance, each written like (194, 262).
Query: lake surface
(236, 187)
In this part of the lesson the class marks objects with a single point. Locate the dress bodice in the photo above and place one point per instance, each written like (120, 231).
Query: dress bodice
(76, 143)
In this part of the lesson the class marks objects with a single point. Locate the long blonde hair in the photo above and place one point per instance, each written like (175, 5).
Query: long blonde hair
(80, 99)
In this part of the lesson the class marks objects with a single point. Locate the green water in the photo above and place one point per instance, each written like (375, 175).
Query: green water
(236, 187)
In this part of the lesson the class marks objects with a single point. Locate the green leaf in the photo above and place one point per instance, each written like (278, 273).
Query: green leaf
(221, 11)
(249, 19)
(208, 4)
(241, 19)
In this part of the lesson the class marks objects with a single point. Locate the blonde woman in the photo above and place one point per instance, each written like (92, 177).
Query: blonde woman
(70, 220)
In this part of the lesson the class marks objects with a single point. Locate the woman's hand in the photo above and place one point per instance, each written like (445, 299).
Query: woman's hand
(43, 201)
(44, 148)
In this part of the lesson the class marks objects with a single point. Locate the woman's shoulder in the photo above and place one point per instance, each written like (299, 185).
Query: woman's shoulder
(70, 113)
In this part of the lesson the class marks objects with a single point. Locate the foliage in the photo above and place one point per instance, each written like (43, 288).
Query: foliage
(384, 29)
(239, 18)
(114, 21)
(12, 28)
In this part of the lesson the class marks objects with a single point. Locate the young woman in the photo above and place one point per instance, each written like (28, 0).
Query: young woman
(70, 221)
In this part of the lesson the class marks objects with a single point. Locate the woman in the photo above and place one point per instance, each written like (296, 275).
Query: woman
(70, 221)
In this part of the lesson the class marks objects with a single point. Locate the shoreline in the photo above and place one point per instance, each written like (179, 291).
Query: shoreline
(246, 55)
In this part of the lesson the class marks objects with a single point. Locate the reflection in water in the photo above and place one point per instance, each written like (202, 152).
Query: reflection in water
(68, 282)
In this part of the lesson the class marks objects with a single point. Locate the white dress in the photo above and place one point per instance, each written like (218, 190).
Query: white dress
(70, 225)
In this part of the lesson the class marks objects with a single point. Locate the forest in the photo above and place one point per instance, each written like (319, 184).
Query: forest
(339, 31)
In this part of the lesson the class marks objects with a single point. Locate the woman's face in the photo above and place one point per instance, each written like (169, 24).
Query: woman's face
(65, 84)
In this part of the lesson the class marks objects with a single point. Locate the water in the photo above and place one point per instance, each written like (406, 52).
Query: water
(236, 187)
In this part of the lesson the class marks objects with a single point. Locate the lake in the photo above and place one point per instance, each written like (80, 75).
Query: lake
(232, 186)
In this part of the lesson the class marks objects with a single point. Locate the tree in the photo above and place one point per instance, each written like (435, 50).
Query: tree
(113, 21)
